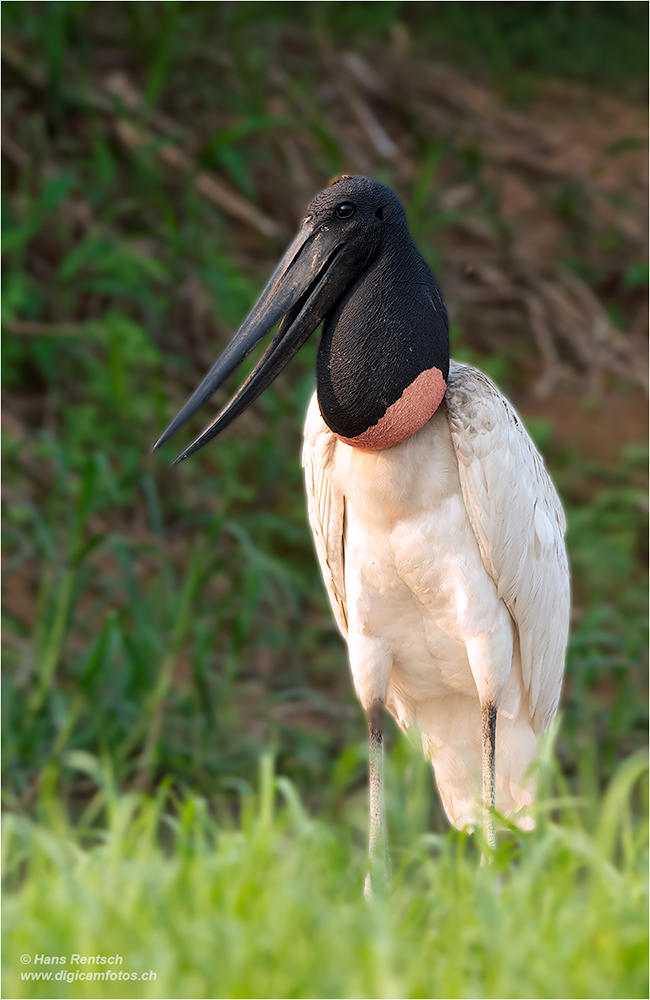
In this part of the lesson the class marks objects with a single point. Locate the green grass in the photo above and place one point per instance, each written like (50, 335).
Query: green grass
(271, 906)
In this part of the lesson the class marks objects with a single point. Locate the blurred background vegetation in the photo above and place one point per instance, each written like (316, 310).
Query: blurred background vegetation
(157, 159)
(164, 628)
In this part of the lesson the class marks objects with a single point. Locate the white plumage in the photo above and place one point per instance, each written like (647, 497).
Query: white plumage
(444, 562)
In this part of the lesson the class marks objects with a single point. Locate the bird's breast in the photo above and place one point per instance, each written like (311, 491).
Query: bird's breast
(415, 580)
(395, 484)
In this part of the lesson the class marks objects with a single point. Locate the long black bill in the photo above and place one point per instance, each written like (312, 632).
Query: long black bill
(303, 288)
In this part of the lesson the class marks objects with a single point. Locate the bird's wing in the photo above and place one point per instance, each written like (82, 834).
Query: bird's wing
(519, 525)
(326, 510)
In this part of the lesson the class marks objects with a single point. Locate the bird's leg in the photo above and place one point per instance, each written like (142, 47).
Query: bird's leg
(488, 733)
(378, 878)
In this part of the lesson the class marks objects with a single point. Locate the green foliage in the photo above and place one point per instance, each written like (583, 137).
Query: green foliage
(121, 613)
(607, 541)
(272, 905)
(598, 43)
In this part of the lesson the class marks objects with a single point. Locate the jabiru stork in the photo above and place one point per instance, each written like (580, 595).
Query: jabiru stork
(437, 528)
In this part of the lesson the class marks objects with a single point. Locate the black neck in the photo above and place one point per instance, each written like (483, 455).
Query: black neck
(390, 327)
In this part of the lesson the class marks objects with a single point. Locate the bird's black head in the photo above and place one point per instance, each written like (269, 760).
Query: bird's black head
(353, 265)
(358, 208)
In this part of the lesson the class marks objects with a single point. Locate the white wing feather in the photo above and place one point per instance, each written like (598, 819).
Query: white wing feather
(519, 523)
(326, 510)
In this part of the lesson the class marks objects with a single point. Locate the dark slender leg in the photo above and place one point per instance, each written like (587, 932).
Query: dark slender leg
(489, 731)
(378, 877)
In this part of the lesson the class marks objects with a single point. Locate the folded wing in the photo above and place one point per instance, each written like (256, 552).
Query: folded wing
(326, 510)
(519, 524)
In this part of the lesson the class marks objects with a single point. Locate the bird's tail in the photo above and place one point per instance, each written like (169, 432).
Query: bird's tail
(451, 740)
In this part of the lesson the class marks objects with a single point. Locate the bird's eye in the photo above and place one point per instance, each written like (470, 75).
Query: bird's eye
(345, 210)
